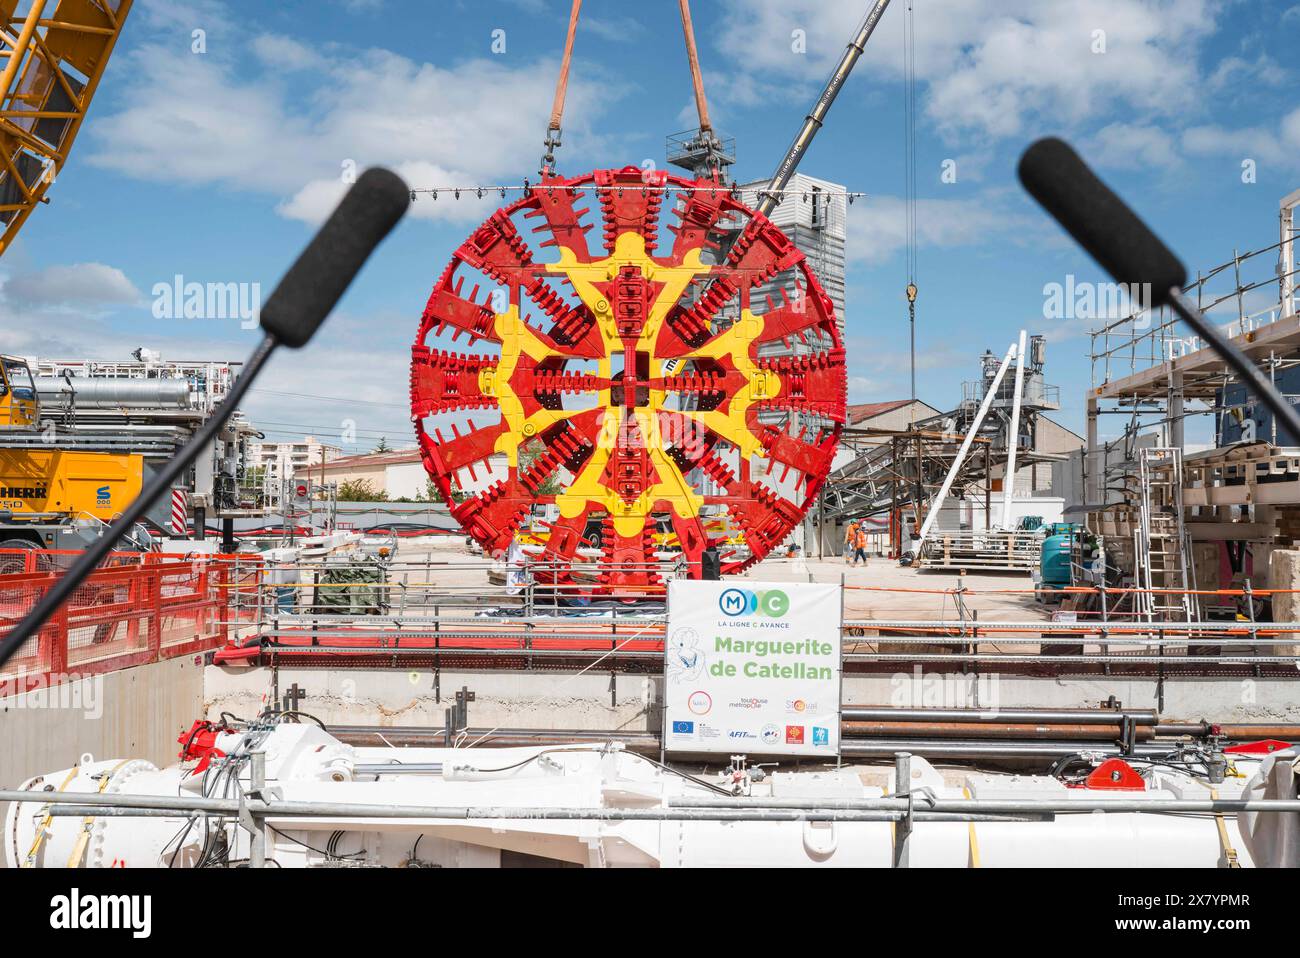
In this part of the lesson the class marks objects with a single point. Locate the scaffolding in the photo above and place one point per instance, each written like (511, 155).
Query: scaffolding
(901, 473)
(1154, 378)
(1145, 369)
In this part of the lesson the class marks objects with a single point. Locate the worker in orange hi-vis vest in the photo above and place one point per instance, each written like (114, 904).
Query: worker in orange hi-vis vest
(850, 540)
(860, 545)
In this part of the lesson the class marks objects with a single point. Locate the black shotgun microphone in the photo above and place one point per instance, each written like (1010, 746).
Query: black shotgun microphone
(318, 278)
(1104, 225)
(292, 314)
(1099, 220)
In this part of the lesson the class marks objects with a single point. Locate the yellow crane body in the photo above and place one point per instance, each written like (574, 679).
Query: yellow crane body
(42, 484)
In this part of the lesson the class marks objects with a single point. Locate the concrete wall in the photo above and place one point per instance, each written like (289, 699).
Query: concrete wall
(135, 713)
(374, 473)
(538, 700)
(1223, 700)
(1054, 438)
(406, 480)
(406, 697)
(1284, 573)
(1049, 438)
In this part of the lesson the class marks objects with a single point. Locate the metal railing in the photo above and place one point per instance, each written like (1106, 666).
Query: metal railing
(1146, 337)
(154, 606)
(135, 609)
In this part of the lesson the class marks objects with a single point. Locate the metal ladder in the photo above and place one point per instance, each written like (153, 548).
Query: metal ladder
(1162, 554)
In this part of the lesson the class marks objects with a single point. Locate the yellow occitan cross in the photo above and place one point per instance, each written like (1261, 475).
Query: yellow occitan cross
(517, 339)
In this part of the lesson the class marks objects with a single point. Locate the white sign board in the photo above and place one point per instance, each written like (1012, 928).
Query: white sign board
(752, 668)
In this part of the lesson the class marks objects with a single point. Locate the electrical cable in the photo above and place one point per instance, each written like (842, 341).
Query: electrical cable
(350, 400)
(318, 851)
(271, 713)
(686, 775)
(909, 202)
(301, 301)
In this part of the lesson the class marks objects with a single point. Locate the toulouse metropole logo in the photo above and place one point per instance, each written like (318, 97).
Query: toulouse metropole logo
(736, 602)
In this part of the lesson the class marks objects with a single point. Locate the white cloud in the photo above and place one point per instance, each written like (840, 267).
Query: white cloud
(91, 285)
(285, 53)
(317, 199)
(862, 389)
(1278, 145)
(995, 70)
(1247, 75)
(346, 359)
(877, 225)
(209, 15)
(208, 119)
(1128, 146)
(367, 379)
(612, 30)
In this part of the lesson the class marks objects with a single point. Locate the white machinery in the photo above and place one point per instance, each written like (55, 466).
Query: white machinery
(150, 407)
(295, 795)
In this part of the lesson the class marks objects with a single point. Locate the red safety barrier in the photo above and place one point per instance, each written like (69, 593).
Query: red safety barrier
(135, 609)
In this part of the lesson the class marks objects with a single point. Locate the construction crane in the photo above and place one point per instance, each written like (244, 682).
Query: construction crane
(52, 58)
(49, 493)
(817, 115)
(77, 438)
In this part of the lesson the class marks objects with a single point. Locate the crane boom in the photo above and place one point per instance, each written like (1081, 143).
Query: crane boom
(51, 60)
(813, 122)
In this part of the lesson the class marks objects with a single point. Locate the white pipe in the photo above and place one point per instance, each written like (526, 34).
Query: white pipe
(1013, 436)
(965, 448)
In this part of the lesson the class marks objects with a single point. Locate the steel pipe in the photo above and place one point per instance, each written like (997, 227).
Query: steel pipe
(1079, 629)
(689, 815)
(85, 393)
(1119, 803)
(916, 659)
(988, 730)
(370, 735)
(1237, 733)
(882, 713)
(397, 768)
(726, 810)
(973, 748)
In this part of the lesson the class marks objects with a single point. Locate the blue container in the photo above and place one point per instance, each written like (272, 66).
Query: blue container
(1054, 566)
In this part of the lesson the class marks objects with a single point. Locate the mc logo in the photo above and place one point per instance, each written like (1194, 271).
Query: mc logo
(773, 603)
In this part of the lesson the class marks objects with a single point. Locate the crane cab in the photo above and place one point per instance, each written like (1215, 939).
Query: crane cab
(19, 407)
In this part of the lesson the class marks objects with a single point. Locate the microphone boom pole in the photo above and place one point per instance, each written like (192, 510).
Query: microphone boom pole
(1123, 245)
(293, 313)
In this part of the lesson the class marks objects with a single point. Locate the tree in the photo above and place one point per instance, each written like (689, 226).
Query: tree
(361, 490)
(527, 456)
(383, 445)
(433, 494)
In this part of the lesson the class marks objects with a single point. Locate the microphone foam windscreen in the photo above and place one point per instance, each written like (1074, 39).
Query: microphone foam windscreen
(1099, 220)
(307, 293)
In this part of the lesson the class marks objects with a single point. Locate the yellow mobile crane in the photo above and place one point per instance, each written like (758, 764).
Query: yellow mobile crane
(45, 490)
(52, 56)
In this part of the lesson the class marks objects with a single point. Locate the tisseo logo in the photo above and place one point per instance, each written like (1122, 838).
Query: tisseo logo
(773, 603)
(700, 702)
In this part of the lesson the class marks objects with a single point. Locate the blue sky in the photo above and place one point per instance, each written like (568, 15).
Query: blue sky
(216, 164)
